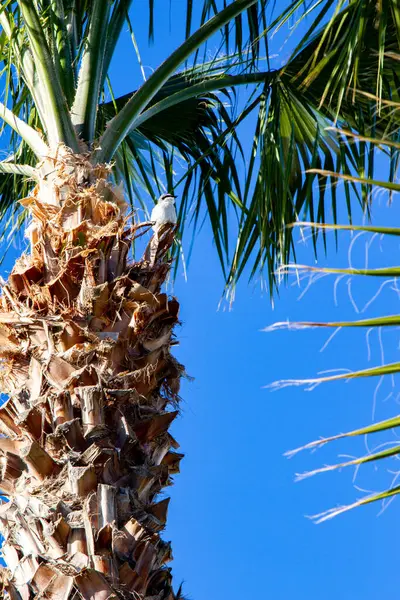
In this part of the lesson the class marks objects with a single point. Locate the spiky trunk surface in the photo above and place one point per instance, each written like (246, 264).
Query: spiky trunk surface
(85, 339)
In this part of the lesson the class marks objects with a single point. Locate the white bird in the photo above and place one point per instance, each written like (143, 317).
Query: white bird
(164, 212)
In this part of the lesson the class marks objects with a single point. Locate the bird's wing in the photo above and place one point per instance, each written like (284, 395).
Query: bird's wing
(170, 214)
(155, 213)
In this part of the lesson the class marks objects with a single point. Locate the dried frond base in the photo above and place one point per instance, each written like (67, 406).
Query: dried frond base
(85, 340)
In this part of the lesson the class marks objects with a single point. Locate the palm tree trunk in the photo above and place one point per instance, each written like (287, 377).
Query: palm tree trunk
(85, 337)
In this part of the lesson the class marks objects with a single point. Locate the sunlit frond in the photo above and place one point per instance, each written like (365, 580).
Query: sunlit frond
(388, 449)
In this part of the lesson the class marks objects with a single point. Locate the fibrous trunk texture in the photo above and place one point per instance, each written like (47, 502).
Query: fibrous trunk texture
(85, 337)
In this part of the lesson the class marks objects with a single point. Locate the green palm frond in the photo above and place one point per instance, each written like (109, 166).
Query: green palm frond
(387, 449)
(291, 139)
(356, 50)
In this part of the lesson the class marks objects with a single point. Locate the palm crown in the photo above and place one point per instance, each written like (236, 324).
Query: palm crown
(57, 56)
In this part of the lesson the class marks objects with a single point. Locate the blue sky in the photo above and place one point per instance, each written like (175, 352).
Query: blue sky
(237, 520)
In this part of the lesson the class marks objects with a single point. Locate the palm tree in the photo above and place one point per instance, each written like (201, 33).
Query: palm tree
(86, 329)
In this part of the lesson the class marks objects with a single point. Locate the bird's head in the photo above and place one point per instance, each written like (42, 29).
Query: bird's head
(169, 198)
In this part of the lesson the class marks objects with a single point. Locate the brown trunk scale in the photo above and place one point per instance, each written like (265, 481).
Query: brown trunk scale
(85, 337)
